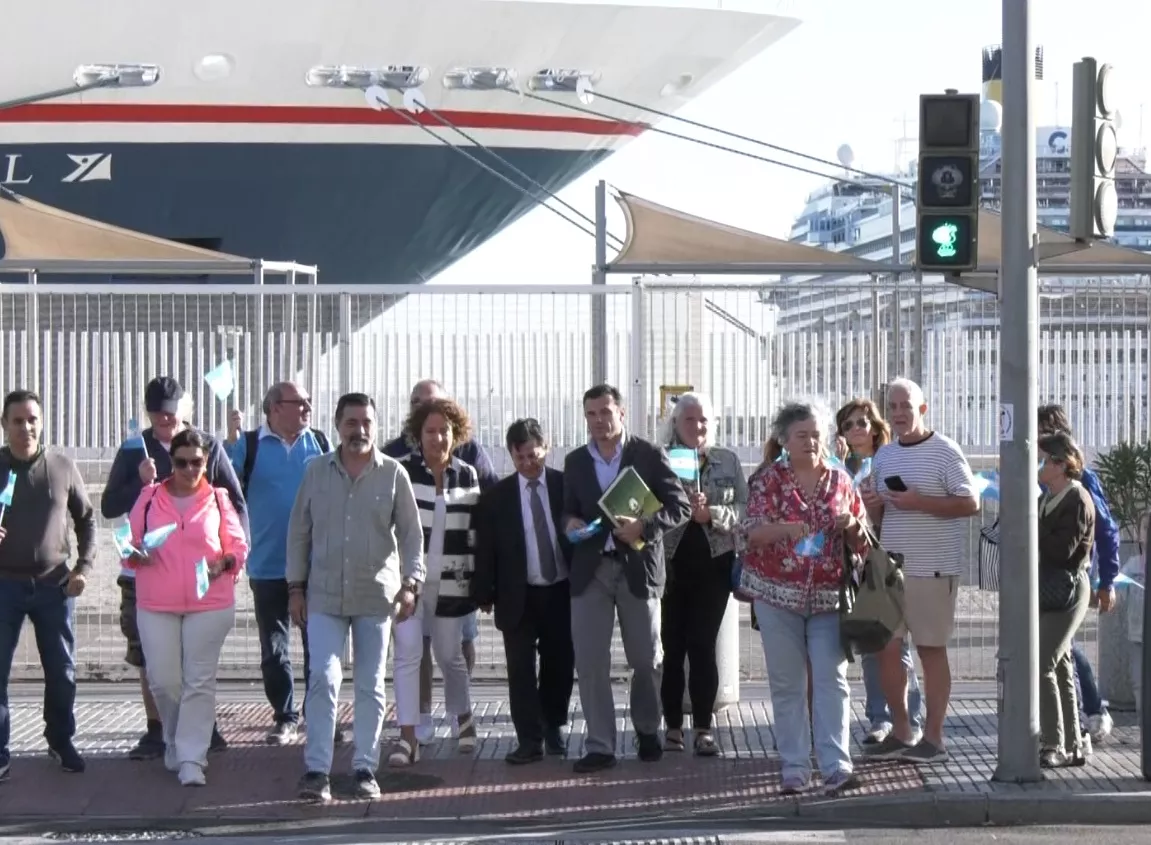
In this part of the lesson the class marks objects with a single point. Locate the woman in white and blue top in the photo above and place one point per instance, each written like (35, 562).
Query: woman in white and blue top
(447, 491)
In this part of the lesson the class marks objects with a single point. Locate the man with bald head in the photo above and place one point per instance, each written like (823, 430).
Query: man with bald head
(270, 463)
(920, 495)
(470, 452)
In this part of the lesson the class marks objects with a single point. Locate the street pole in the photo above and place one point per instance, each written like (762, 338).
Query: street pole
(599, 300)
(1018, 670)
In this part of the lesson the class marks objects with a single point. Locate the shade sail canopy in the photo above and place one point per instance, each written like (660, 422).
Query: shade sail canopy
(1057, 250)
(657, 234)
(32, 232)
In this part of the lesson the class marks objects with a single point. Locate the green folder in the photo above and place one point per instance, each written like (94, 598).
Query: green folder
(629, 496)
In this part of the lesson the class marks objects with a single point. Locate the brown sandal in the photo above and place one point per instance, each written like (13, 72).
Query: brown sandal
(404, 754)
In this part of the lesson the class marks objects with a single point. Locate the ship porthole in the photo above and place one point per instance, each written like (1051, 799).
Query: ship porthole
(214, 66)
(677, 85)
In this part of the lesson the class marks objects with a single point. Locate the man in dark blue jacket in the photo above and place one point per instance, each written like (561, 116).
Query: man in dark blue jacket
(472, 453)
(141, 461)
(1094, 718)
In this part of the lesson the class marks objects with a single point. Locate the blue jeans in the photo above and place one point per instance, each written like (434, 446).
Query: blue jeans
(789, 640)
(876, 709)
(327, 636)
(1090, 701)
(471, 627)
(50, 612)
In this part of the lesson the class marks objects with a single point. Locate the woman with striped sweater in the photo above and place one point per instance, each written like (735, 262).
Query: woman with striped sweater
(447, 490)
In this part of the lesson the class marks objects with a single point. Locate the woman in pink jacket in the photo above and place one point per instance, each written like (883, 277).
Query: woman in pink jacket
(186, 599)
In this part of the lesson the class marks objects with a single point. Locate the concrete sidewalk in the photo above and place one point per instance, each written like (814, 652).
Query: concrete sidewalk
(252, 786)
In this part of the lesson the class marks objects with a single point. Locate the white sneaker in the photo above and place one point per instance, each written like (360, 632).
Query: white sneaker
(426, 730)
(1100, 726)
(192, 775)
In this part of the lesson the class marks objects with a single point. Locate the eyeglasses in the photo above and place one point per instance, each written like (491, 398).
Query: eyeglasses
(188, 463)
(862, 422)
(299, 403)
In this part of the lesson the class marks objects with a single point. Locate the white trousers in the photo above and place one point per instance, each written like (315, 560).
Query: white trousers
(182, 653)
(447, 636)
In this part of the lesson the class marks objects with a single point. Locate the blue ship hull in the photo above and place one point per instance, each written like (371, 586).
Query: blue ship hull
(363, 213)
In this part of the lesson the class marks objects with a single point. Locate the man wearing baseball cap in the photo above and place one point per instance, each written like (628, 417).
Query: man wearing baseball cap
(142, 461)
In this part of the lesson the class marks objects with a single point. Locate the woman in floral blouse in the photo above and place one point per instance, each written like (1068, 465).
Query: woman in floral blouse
(793, 504)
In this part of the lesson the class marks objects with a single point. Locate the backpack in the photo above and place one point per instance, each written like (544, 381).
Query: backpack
(252, 442)
(870, 611)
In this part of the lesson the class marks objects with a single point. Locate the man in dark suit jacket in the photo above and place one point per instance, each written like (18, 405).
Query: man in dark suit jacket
(521, 569)
(609, 577)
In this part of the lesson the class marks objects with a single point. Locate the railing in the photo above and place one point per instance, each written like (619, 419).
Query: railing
(508, 352)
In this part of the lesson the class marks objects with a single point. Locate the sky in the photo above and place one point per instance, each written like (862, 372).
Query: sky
(861, 66)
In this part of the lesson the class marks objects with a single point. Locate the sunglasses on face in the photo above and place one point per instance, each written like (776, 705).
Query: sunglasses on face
(862, 422)
(188, 463)
(299, 403)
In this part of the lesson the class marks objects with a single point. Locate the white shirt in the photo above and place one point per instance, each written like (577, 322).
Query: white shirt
(533, 553)
(932, 546)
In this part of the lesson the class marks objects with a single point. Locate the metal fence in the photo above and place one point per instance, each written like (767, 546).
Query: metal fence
(508, 352)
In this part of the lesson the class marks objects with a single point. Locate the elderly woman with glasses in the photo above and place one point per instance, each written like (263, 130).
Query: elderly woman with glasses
(800, 511)
(700, 555)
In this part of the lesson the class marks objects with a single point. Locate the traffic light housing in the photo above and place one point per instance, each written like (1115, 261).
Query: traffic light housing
(947, 190)
(1094, 151)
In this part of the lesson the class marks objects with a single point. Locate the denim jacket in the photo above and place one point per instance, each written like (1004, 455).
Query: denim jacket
(725, 486)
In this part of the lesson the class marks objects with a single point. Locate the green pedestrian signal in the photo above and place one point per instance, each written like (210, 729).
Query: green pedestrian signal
(945, 241)
(945, 236)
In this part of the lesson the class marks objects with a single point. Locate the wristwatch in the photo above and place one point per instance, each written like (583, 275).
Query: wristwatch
(411, 585)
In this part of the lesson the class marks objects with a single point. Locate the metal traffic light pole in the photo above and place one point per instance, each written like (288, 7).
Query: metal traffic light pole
(1018, 670)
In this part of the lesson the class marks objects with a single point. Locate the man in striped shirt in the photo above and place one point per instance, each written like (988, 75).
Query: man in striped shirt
(921, 492)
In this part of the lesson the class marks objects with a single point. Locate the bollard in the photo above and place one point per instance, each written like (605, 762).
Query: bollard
(726, 660)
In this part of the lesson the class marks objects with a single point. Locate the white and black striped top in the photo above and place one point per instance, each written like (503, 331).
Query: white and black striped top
(930, 545)
(461, 494)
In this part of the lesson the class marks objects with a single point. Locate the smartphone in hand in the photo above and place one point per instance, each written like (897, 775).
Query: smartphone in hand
(894, 482)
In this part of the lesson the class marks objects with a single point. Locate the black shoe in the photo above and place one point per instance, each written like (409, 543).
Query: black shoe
(554, 742)
(524, 754)
(366, 785)
(315, 786)
(218, 743)
(68, 757)
(284, 733)
(151, 745)
(5, 771)
(594, 762)
(650, 748)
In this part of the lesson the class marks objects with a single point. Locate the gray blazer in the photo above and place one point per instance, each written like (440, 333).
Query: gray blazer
(725, 486)
(645, 570)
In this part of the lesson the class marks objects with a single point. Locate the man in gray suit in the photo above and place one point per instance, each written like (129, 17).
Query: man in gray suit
(609, 577)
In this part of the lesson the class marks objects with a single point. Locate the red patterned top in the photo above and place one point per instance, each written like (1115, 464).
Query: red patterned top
(775, 574)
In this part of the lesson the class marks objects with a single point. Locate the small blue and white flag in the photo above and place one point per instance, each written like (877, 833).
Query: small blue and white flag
(221, 380)
(684, 463)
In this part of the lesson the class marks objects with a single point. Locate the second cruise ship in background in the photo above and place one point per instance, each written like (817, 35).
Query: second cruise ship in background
(1091, 356)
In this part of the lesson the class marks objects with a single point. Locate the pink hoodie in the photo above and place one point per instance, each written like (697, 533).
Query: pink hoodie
(208, 527)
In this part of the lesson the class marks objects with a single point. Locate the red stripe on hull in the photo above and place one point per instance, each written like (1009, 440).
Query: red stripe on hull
(313, 115)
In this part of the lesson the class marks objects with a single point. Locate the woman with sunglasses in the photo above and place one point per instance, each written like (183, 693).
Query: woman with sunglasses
(862, 430)
(186, 597)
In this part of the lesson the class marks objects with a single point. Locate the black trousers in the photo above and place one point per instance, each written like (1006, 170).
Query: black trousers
(692, 611)
(270, 599)
(543, 701)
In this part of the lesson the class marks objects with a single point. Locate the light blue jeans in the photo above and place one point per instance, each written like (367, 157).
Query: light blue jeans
(327, 636)
(791, 639)
(876, 709)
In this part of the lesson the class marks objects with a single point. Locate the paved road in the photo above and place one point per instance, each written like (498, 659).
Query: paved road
(783, 833)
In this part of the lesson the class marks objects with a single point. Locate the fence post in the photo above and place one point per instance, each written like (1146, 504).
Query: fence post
(32, 363)
(917, 351)
(345, 344)
(639, 386)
